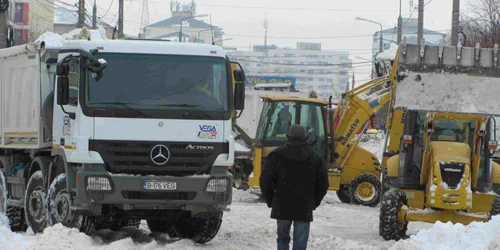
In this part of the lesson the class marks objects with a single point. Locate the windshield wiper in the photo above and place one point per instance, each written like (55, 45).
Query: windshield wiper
(192, 107)
(123, 104)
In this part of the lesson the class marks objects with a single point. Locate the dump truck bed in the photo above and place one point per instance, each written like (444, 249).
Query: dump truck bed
(22, 70)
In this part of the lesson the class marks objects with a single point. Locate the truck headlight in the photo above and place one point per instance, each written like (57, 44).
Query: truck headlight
(218, 187)
(98, 183)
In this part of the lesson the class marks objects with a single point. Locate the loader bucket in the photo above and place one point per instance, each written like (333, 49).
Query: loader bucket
(448, 79)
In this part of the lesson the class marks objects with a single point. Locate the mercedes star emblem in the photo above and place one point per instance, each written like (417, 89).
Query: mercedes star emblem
(160, 154)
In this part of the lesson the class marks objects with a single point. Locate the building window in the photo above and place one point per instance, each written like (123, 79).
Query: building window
(21, 13)
(259, 65)
(289, 55)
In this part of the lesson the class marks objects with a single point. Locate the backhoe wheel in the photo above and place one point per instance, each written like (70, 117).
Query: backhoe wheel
(344, 194)
(58, 209)
(365, 190)
(162, 226)
(389, 226)
(198, 229)
(495, 207)
(35, 203)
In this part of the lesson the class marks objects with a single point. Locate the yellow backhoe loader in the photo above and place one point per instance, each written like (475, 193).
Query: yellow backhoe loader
(441, 139)
(353, 171)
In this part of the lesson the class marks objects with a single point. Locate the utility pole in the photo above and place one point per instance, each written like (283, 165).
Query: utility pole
(120, 19)
(454, 22)
(420, 21)
(81, 14)
(400, 25)
(4, 24)
(94, 16)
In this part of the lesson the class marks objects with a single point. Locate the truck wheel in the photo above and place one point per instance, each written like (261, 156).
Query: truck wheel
(495, 207)
(365, 190)
(3, 193)
(58, 209)
(162, 226)
(199, 229)
(16, 219)
(35, 203)
(389, 226)
(344, 194)
(119, 224)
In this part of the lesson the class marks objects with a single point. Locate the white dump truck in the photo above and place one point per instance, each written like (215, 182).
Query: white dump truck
(142, 133)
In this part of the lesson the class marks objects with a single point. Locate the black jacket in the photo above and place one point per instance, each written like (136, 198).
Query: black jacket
(293, 181)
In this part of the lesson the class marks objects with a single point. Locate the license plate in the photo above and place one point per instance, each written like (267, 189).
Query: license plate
(160, 185)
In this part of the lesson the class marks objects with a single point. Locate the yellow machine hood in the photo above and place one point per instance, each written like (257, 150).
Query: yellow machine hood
(445, 151)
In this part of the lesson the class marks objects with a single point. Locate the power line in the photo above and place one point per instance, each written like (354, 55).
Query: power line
(108, 8)
(285, 8)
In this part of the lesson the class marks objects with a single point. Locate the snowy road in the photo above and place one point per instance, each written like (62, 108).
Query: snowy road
(247, 226)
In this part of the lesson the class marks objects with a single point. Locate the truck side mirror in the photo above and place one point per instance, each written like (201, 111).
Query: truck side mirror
(62, 90)
(239, 96)
(239, 76)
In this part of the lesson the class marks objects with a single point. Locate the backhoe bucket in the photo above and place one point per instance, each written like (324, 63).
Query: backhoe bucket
(448, 79)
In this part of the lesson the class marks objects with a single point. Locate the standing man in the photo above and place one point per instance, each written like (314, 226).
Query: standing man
(294, 180)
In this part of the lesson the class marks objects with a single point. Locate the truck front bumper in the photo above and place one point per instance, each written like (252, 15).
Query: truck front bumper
(95, 186)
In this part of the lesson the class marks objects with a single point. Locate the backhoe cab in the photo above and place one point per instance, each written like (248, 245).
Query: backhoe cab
(438, 158)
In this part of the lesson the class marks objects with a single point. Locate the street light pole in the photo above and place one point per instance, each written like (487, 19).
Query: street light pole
(189, 17)
(381, 45)
(400, 24)
(198, 37)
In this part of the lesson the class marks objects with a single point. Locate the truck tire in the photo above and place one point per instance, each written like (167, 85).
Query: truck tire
(495, 207)
(3, 193)
(365, 190)
(119, 224)
(389, 227)
(35, 203)
(199, 229)
(162, 226)
(58, 209)
(16, 219)
(344, 194)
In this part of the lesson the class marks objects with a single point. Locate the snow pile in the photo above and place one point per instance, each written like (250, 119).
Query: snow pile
(239, 147)
(458, 93)
(388, 54)
(373, 143)
(52, 39)
(477, 236)
(8, 239)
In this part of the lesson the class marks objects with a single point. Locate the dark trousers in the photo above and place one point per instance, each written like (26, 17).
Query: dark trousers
(300, 234)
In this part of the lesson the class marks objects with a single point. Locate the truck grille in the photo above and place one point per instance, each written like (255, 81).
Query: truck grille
(134, 157)
(452, 173)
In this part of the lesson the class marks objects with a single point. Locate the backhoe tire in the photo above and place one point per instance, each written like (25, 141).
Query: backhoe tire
(58, 208)
(495, 207)
(344, 194)
(3, 193)
(162, 226)
(365, 190)
(389, 227)
(35, 203)
(199, 229)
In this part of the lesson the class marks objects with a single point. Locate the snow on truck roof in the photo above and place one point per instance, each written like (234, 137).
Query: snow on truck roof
(146, 47)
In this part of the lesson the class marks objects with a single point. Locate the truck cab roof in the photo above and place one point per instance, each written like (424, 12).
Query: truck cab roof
(145, 47)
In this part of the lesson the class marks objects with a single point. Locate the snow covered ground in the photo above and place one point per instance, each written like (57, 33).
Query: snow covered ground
(247, 226)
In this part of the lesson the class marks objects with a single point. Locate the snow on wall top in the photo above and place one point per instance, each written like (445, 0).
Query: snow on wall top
(389, 54)
(457, 93)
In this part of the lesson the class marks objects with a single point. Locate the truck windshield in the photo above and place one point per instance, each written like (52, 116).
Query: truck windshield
(160, 82)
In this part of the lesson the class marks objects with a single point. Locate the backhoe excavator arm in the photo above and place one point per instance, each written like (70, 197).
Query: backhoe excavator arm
(357, 107)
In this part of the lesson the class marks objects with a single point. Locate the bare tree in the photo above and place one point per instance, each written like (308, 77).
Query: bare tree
(481, 24)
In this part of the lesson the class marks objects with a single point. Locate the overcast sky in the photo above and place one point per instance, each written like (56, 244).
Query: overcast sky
(331, 22)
